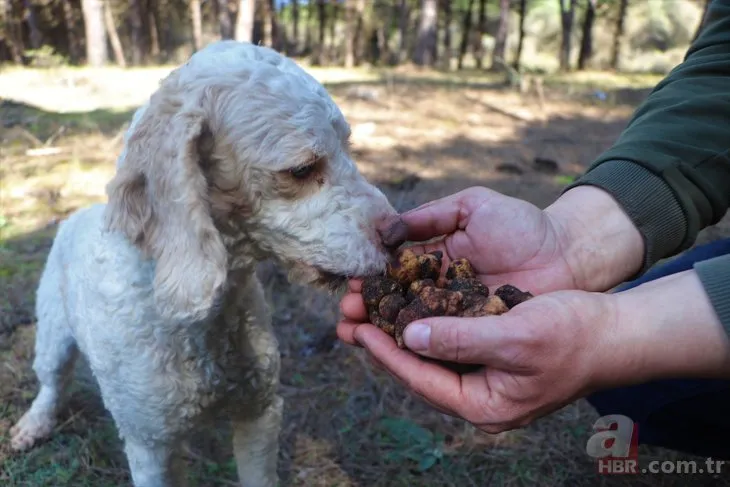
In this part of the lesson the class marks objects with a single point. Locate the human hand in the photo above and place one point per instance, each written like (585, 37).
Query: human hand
(582, 241)
(555, 348)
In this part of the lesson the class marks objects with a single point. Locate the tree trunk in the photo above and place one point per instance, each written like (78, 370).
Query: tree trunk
(448, 19)
(321, 28)
(404, 21)
(96, 50)
(465, 31)
(619, 34)
(135, 32)
(154, 32)
(425, 52)
(197, 18)
(294, 41)
(702, 21)
(481, 30)
(244, 20)
(13, 31)
(278, 36)
(36, 38)
(500, 39)
(70, 23)
(334, 44)
(586, 44)
(353, 31)
(520, 41)
(111, 30)
(567, 12)
(224, 19)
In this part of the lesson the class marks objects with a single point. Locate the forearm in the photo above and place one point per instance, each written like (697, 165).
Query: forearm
(664, 329)
(600, 242)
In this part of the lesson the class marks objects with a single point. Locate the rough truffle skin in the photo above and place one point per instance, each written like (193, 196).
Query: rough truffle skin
(410, 267)
(493, 305)
(512, 296)
(441, 302)
(460, 269)
(374, 288)
(390, 306)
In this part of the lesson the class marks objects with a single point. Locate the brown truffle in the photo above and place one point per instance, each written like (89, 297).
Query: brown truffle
(512, 296)
(490, 306)
(415, 310)
(390, 306)
(441, 302)
(374, 288)
(460, 269)
(414, 288)
(385, 325)
(411, 267)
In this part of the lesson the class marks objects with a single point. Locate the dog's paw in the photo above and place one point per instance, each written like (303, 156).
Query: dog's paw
(31, 428)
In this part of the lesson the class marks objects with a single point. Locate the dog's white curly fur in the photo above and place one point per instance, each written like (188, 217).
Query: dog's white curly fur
(157, 287)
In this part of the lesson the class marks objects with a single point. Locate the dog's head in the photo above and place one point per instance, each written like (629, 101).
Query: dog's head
(240, 151)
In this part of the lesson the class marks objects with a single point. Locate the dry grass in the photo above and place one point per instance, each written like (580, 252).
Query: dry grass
(419, 136)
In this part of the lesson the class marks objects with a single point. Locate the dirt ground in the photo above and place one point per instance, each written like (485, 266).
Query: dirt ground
(418, 137)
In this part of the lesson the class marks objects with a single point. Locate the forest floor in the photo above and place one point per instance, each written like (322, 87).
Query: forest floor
(419, 136)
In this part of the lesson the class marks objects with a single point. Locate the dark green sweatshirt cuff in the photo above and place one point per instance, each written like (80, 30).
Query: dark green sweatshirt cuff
(648, 201)
(715, 277)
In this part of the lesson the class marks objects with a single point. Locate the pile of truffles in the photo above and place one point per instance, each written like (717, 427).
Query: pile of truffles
(413, 289)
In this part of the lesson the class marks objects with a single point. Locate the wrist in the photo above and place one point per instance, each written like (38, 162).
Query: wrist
(599, 241)
(665, 329)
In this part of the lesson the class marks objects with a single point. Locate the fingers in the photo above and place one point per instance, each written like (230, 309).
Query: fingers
(481, 340)
(353, 307)
(439, 386)
(346, 330)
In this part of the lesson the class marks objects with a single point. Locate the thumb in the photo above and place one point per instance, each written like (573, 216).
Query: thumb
(465, 340)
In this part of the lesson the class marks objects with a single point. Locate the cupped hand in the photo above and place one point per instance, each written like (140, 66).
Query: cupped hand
(542, 355)
(507, 240)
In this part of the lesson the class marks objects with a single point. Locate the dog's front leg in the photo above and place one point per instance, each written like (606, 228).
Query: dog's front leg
(154, 464)
(256, 446)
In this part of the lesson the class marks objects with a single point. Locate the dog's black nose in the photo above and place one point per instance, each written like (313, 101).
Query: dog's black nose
(393, 232)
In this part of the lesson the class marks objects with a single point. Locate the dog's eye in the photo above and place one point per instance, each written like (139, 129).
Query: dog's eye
(302, 172)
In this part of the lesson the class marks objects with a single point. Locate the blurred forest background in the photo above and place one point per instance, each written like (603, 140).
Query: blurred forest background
(532, 35)
(515, 95)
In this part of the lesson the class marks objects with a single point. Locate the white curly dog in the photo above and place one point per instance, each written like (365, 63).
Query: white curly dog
(240, 155)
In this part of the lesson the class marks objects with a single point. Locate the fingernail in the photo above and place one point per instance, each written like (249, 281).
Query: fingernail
(417, 336)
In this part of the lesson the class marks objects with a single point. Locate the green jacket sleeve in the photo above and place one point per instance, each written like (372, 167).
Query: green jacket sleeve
(670, 167)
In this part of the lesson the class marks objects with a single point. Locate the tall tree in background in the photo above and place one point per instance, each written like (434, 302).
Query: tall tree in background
(586, 43)
(36, 38)
(69, 19)
(520, 35)
(225, 22)
(197, 20)
(481, 30)
(618, 36)
(425, 52)
(404, 18)
(96, 50)
(321, 29)
(111, 31)
(448, 19)
(136, 32)
(294, 41)
(567, 13)
(500, 39)
(244, 20)
(465, 31)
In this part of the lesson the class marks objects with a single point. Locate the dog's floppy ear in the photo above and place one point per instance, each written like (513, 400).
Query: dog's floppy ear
(158, 199)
